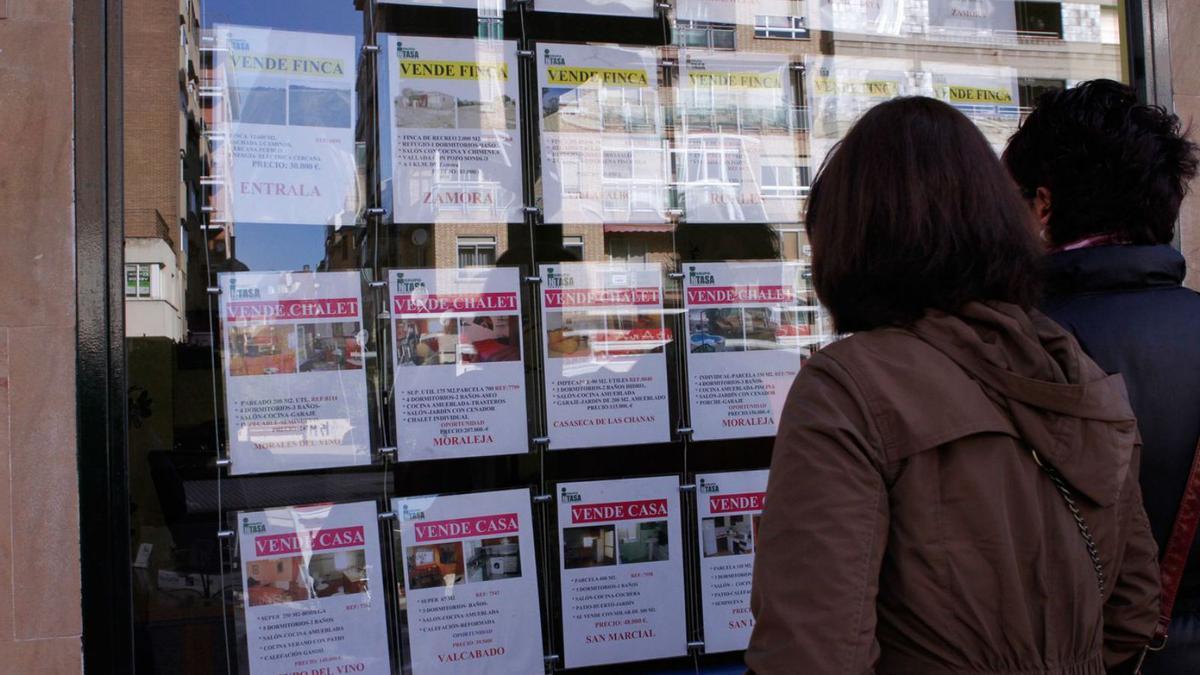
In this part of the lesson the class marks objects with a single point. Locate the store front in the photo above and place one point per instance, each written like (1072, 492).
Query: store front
(456, 332)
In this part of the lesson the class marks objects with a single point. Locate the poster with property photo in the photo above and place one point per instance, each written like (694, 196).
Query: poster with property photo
(728, 506)
(295, 386)
(737, 157)
(987, 95)
(313, 590)
(452, 107)
(459, 369)
(604, 345)
(470, 587)
(285, 126)
(621, 570)
(604, 152)
(750, 326)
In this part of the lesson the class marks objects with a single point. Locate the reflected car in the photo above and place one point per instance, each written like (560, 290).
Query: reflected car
(703, 343)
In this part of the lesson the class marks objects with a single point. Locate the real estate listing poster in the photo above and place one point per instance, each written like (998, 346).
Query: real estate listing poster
(841, 88)
(749, 327)
(313, 590)
(604, 153)
(973, 18)
(631, 8)
(728, 506)
(860, 17)
(985, 94)
(285, 126)
(295, 387)
(604, 347)
(736, 151)
(621, 570)
(470, 583)
(456, 142)
(459, 371)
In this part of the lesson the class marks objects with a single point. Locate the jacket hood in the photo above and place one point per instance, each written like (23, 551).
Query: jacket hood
(1111, 268)
(1060, 403)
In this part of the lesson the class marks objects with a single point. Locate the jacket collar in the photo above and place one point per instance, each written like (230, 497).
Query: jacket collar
(1111, 268)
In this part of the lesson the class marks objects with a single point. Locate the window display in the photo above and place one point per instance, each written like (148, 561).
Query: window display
(509, 254)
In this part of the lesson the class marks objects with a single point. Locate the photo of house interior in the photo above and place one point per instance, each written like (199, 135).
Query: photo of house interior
(493, 559)
(727, 535)
(433, 565)
(590, 546)
(427, 342)
(489, 339)
(278, 580)
(643, 542)
(330, 346)
(262, 349)
(338, 572)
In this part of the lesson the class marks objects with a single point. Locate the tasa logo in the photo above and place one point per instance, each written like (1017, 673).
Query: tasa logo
(558, 279)
(251, 293)
(406, 52)
(408, 285)
(709, 487)
(553, 59)
(570, 497)
(700, 278)
(250, 528)
(239, 44)
(407, 514)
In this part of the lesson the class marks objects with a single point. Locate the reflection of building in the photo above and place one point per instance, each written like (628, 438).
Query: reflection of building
(164, 161)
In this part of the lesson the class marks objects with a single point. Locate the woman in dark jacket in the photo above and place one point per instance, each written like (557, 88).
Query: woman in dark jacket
(1106, 176)
(917, 516)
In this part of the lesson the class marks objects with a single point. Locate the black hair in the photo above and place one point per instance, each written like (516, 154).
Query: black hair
(1112, 165)
(913, 211)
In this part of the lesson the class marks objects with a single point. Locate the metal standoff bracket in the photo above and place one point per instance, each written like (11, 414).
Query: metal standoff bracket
(550, 658)
(687, 487)
(376, 211)
(224, 534)
(388, 451)
(541, 499)
(213, 290)
(387, 515)
(224, 462)
(684, 431)
(531, 209)
(525, 53)
(540, 440)
(696, 644)
(674, 275)
(370, 49)
(382, 283)
(533, 280)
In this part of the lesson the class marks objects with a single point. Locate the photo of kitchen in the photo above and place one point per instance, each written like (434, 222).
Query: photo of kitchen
(338, 573)
(433, 565)
(590, 546)
(426, 342)
(330, 346)
(493, 559)
(262, 349)
(489, 339)
(277, 580)
(727, 535)
(643, 542)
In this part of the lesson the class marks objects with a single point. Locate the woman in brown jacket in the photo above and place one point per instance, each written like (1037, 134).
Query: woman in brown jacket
(921, 510)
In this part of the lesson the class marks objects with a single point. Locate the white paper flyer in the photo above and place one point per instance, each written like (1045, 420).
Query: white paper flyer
(471, 586)
(295, 387)
(736, 153)
(285, 127)
(621, 565)
(841, 88)
(604, 343)
(740, 12)
(750, 326)
(313, 590)
(985, 94)
(459, 370)
(456, 142)
(604, 153)
(728, 506)
(967, 19)
(634, 8)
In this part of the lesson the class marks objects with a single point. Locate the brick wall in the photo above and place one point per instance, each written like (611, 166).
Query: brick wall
(40, 619)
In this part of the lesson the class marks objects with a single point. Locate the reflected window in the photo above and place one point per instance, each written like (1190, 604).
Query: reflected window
(1040, 19)
(626, 248)
(574, 246)
(706, 35)
(781, 27)
(139, 280)
(476, 251)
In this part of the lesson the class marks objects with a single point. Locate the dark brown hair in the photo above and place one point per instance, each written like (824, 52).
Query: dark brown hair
(913, 211)
(1112, 164)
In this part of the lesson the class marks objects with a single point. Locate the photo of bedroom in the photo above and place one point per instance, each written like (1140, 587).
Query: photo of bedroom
(643, 542)
(489, 339)
(278, 580)
(726, 535)
(591, 546)
(433, 565)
